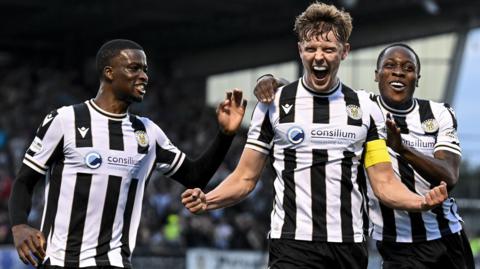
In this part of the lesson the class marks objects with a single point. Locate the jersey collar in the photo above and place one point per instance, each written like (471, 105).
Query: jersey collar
(114, 116)
(327, 93)
(398, 111)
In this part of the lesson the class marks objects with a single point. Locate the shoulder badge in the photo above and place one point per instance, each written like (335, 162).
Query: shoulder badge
(142, 138)
(430, 126)
(354, 112)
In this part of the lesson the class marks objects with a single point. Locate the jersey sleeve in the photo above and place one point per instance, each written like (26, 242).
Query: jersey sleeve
(260, 133)
(46, 143)
(376, 129)
(168, 157)
(447, 138)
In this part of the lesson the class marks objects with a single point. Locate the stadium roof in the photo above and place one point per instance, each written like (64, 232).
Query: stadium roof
(195, 30)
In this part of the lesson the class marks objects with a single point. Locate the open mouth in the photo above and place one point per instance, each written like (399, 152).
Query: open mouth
(320, 72)
(397, 85)
(140, 88)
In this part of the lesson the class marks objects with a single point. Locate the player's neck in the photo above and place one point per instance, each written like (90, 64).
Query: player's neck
(108, 102)
(404, 106)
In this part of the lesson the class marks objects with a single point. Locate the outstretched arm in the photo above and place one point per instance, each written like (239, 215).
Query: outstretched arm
(444, 165)
(233, 189)
(27, 240)
(197, 173)
(396, 195)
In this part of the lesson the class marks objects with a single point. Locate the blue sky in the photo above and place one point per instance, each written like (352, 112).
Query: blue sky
(467, 100)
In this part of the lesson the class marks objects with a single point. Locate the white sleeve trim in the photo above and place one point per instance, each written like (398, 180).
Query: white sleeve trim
(32, 164)
(256, 148)
(450, 148)
(174, 169)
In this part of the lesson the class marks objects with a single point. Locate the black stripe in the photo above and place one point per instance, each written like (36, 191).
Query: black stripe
(319, 193)
(82, 123)
(166, 157)
(321, 109)
(138, 126)
(425, 111)
(287, 101)
(127, 218)
(351, 100)
(266, 130)
(401, 123)
(362, 188)
(408, 178)
(289, 204)
(372, 133)
(115, 134)
(77, 219)
(346, 197)
(442, 220)
(108, 216)
(454, 119)
(42, 129)
(55, 182)
(389, 228)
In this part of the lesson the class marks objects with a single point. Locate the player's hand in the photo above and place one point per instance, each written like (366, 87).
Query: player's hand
(435, 196)
(394, 140)
(28, 241)
(194, 200)
(230, 112)
(265, 88)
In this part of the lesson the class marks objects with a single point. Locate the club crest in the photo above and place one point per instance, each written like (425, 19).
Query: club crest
(354, 112)
(430, 126)
(142, 138)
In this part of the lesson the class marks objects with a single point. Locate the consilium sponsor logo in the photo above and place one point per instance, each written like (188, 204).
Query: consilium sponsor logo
(93, 160)
(417, 143)
(295, 135)
(122, 161)
(335, 133)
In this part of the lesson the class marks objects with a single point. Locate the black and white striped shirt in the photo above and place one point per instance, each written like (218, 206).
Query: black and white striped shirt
(316, 141)
(97, 166)
(427, 127)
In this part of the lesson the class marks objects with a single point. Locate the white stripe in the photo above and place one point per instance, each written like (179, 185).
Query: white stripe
(303, 199)
(259, 143)
(333, 184)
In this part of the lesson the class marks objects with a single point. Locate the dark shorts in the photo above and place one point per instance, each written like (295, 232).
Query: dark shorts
(451, 251)
(296, 254)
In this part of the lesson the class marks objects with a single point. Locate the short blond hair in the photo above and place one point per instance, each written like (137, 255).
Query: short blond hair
(320, 19)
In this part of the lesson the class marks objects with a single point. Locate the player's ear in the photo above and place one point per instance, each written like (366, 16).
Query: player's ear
(376, 75)
(418, 78)
(108, 72)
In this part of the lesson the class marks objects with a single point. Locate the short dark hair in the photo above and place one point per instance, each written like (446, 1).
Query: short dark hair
(111, 49)
(382, 53)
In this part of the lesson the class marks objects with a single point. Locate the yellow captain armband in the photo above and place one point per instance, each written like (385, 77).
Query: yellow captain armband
(376, 152)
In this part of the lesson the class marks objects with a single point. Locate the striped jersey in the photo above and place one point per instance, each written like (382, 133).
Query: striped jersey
(427, 127)
(97, 166)
(316, 142)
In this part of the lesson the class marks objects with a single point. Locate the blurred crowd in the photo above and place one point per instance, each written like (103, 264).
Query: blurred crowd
(29, 90)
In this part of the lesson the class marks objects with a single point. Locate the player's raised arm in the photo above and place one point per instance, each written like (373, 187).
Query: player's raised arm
(266, 86)
(233, 189)
(197, 172)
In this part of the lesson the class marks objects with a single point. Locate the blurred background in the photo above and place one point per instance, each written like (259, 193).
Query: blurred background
(196, 50)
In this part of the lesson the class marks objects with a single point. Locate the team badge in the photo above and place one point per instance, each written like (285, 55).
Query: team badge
(142, 138)
(430, 126)
(93, 160)
(295, 135)
(354, 112)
